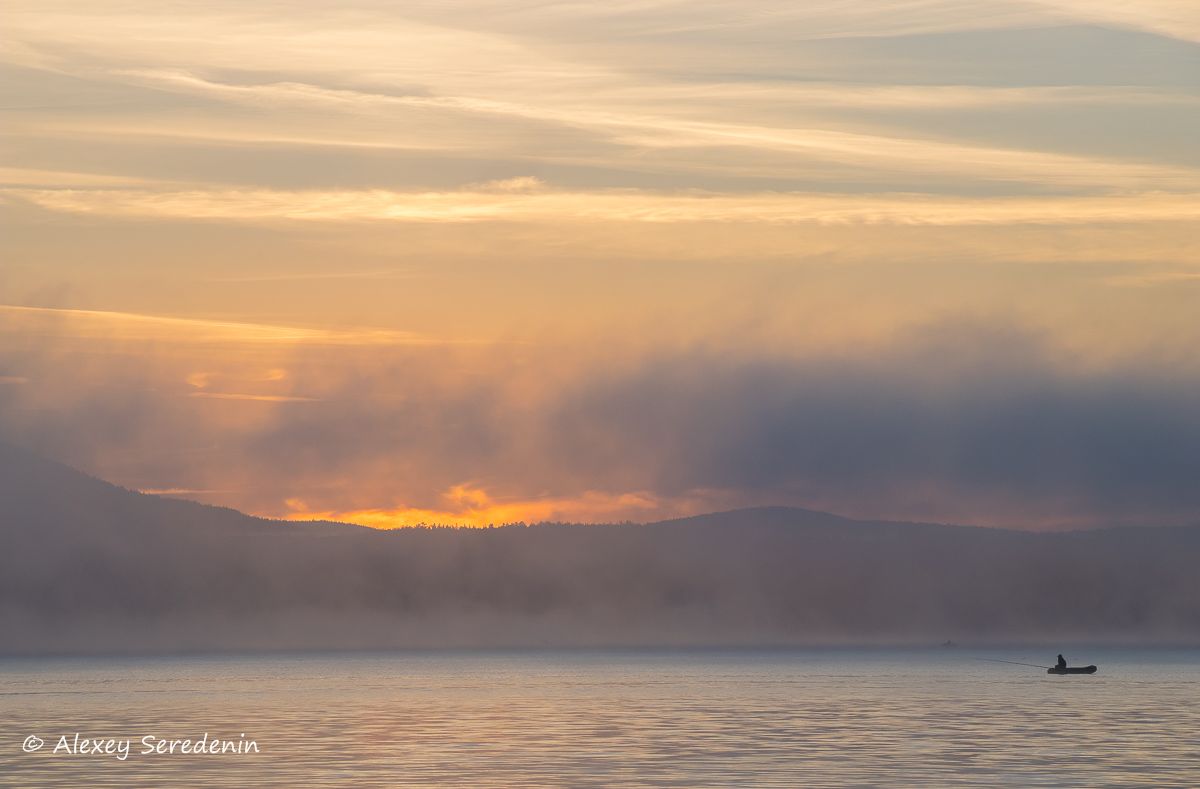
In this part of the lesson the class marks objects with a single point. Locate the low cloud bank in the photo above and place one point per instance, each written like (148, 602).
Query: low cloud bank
(959, 422)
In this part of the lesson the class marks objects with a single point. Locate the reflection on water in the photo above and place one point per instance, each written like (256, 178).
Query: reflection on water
(627, 719)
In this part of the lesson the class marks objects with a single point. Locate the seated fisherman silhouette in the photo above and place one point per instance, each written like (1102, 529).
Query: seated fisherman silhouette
(1062, 668)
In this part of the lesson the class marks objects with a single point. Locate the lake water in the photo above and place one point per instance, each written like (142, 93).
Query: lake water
(817, 718)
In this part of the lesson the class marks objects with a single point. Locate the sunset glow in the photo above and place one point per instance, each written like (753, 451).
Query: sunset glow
(473, 508)
(471, 263)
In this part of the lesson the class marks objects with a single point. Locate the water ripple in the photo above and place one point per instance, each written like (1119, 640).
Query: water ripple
(611, 719)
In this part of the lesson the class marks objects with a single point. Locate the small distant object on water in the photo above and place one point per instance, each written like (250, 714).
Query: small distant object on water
(1062, 668)
(949, 644)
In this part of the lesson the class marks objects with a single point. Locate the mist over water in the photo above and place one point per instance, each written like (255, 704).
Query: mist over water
(94, 569)
(614, 718)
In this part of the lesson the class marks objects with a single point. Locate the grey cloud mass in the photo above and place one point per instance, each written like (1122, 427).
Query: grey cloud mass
(960, 422)
(992, 417)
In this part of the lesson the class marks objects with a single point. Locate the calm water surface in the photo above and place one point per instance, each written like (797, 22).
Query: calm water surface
(612, 719)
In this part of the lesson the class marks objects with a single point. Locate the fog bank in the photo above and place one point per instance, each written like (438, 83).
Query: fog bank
(91, 568)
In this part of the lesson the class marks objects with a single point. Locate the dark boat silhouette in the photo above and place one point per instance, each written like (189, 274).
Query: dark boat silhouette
(1071, 670)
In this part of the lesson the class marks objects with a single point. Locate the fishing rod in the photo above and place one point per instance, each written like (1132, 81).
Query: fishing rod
(1010, 662)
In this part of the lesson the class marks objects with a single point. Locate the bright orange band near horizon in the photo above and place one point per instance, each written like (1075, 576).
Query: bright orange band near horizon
(473, 508)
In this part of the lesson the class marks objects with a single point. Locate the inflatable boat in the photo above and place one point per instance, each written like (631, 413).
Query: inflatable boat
(1072, 670)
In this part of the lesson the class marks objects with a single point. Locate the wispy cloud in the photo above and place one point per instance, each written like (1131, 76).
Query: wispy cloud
(22, 176)
(131, 326)
(477, 80)
(1175, 18)
(692, 137)
(613, 205)
(254, 397)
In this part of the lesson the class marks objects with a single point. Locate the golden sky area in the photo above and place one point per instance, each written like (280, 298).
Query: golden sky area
(480, 262)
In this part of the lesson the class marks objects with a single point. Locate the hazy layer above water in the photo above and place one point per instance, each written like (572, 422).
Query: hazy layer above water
(97, 569)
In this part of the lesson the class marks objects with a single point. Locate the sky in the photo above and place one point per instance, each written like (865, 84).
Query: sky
(485, 262)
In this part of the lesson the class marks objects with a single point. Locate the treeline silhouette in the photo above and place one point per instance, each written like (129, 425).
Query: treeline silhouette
(89, 567)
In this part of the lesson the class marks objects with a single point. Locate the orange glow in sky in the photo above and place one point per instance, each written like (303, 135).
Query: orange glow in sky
(608, 261)
(472, 508)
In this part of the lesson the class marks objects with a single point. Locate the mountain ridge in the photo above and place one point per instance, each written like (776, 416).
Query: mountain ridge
(88, 567)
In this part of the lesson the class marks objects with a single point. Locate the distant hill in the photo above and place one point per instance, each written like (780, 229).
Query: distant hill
(39, 498)
(87, 567)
